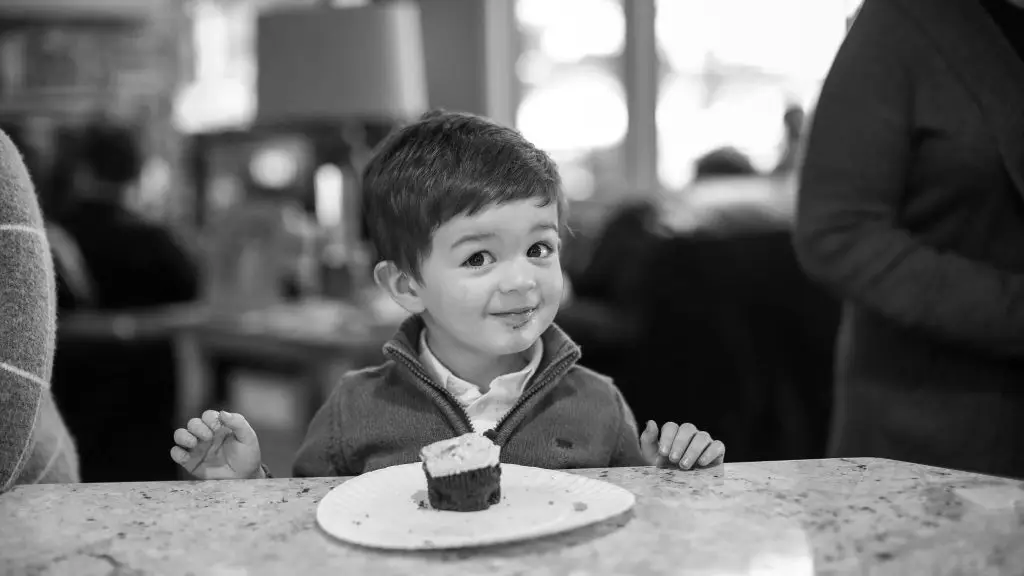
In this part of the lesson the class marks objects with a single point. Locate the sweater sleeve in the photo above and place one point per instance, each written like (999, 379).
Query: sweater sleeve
(854, 176)
(627, 450)
(321, 451)
(34, 443)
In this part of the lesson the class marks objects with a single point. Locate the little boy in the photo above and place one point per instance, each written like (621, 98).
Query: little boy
(466, 217)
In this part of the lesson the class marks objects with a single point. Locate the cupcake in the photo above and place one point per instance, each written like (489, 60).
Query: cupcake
(463, 473)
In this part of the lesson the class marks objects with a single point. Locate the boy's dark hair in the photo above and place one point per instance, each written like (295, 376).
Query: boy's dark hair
(444, 165)
(111, 152)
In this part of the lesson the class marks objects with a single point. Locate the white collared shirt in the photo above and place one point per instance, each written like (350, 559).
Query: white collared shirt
(484, 410)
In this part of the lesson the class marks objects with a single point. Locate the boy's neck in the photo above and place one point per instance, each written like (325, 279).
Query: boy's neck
(475, 368)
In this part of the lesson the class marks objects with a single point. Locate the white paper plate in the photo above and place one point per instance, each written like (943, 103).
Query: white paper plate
(389, 509)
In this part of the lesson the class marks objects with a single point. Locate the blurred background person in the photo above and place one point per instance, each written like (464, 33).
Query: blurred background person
(113, 260)
(912, 208)
(132, 261)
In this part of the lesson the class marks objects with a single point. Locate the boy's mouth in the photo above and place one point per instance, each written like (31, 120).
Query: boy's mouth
(517, 317)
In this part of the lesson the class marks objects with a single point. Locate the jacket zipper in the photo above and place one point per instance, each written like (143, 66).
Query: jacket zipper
(549, 375)
(414, 367)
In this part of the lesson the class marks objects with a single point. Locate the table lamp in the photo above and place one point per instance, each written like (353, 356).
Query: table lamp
(340, 63)
(345, 66)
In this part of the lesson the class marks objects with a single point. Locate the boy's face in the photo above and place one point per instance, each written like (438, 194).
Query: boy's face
(493, 281)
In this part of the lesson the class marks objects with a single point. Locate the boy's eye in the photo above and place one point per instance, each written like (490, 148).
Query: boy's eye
(478, 259)
(540, 250)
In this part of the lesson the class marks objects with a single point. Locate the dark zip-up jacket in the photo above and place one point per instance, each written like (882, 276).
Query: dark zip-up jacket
(567, 417)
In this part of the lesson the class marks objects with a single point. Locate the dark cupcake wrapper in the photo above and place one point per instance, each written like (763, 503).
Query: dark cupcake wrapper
(469, 491)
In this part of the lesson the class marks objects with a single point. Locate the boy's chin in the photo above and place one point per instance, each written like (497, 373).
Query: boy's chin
(514, 341)
(508, 348)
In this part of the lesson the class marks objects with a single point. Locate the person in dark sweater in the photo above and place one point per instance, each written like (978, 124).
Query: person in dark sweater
(912, 208)
(465, 215)
(132, 262)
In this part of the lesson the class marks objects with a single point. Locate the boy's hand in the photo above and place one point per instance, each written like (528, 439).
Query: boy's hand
(219, 446)
(682, 446)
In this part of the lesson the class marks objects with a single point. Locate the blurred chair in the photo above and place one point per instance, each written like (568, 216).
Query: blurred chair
(120, 401)
(118, 392)
(604, 314)
(736, 339)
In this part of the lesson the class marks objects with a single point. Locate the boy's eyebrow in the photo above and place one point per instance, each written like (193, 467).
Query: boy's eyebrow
(488, 235)
(472, 238)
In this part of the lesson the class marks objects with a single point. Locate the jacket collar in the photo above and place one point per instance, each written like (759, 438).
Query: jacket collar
(512, 383)
(560, 353)
(981, 56)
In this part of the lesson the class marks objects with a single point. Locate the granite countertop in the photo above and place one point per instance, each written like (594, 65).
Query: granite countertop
(851, 516)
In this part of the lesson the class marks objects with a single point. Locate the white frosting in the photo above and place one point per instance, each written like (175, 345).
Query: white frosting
(467, 452)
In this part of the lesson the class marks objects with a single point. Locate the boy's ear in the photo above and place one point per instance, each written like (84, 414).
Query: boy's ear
(402, 288)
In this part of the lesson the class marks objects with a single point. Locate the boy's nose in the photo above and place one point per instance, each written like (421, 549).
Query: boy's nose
(518, 277)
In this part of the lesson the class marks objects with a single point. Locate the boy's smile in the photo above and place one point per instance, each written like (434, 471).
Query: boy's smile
(518, 317)
(489, 287)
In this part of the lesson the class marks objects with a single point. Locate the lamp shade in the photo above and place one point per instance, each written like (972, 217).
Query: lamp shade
(340, 63)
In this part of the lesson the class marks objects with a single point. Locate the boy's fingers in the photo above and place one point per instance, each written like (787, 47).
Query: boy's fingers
(650, 433)
(713, 455)
(239, 426)
(649, 442)
(668, 434)
(683, 438)
(700, 442)
(179, 455)
(184, 438)
(212, 419)
(200, 430)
